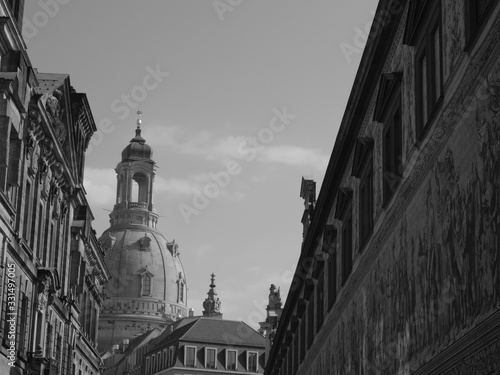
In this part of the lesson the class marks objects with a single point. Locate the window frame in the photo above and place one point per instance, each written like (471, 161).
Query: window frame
(425, 95)
(332, 271)
(186, 349)
(215, 357)
(347, 243)
(366, 199)
(249, 354)
(392, 148)
(235, 359)
(474, 23)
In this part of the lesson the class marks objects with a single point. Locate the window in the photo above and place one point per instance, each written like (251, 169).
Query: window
(153, 363)
(331, 247)
(428, 69)
(171, 355)
(27, 211)
(310, 321)
(210, 355)
(366, 202)
(477, 12)
(320, 301)
(392, 152)
(347, 246)
(302, 339)
(231, 363)
(190, 356)
(252, 362)
(148, 364)
(343, 213)
(295, 352)
(159, 358)
(181, 291)
(165, 358)
(363, 170)
(146, 285)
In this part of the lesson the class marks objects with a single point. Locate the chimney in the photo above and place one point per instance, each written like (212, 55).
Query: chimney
(191, 312)
(308, 193)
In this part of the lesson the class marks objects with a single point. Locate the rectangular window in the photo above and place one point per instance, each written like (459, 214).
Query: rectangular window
(165, 358)
(428, 69)
(392, 152)
(346, 246)
(477, 12)
(231, 363)
(171, 355)
(23, 324)
(366, 202)
(332, 276)
(190, 356)
(159, 358)
(210, 355)
(310, 321)
(252, 362)
(27, 211)
(320, 301)
(295, 352)
(302, 339)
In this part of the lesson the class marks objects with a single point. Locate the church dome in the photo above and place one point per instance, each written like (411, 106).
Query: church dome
(145, 268)
(137, 149)
(148, 287)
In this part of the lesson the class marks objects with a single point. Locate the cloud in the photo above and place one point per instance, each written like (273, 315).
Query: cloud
(294, 156)
(100, 185)
(202, 143)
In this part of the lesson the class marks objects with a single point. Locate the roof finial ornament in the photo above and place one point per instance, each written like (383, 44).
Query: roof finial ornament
(139, 122)
(212, 304)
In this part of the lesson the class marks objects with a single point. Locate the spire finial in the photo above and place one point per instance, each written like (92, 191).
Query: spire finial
(211, 306)
(139, 122)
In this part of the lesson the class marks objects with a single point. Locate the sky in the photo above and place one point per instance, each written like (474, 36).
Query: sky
(240, 99)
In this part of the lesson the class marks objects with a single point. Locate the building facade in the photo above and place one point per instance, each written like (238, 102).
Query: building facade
(52, 270)
(400, 271)
(149, 286)
(208, 345)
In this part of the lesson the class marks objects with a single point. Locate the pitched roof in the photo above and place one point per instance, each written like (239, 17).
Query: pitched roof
(215, 331)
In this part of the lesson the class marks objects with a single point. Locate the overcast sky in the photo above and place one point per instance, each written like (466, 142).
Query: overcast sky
(253, 87)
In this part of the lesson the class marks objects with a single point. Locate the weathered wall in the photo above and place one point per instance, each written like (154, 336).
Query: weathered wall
(434, 273)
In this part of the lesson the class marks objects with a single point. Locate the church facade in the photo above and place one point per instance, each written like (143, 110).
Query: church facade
(400, 268)
(148, 288)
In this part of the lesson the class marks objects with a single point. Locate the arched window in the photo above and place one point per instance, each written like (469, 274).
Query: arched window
(139, 188)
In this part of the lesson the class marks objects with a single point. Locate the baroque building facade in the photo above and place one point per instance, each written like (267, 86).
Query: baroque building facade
(52, 269)
(149, 288)
(399, 271)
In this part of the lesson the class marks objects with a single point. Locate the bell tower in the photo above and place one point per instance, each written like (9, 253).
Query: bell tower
(134, 193)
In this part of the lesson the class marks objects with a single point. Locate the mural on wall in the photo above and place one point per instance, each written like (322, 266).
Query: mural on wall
(438, 275)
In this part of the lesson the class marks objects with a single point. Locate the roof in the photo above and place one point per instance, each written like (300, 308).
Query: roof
(214, 331)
